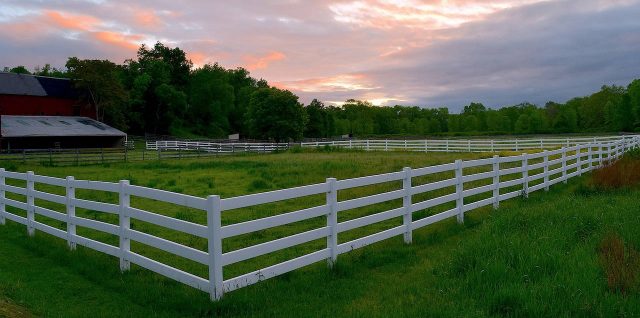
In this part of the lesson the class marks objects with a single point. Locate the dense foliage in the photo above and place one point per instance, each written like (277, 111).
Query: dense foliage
(160, 92)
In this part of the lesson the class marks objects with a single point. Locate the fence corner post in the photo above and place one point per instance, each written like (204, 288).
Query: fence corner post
(2, 205)
(332, 221)
(30, 204)
(71, 213)
(546, 170)
(525, 175)
(406, 203)
(125, 224)
(459, 189)
(496, 182)
(214, 238)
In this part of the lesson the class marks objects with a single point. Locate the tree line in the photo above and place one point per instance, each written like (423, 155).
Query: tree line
(161, 92)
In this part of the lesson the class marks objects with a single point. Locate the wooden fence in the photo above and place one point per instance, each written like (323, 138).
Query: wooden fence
(527, 173)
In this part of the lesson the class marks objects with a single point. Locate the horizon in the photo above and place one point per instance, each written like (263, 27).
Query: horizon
(414, 53)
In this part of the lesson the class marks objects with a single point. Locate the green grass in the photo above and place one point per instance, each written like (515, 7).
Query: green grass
(535, 257)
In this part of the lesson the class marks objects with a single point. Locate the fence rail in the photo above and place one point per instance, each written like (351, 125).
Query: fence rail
(529, 172)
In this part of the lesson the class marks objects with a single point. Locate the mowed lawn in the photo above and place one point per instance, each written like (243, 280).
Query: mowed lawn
(535, 257)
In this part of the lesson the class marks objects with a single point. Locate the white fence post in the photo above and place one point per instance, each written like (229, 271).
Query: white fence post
(525, 175)
(546, 171)
(590, 161)
(125, 243)
(459, 189)
(426, 145)
(2, 205)
(447, 145)
(516, 145)
(386, 145)
(214, 240)
(468, 145)
(496, 181)
(30, 204)
(406, 203)
(579, 159)
(332, 221)
(564, 165)
(367, 144)
(600, 155)
(71, 213)
(492, 146)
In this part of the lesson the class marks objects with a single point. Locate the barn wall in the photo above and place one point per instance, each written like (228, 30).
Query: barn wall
(64, 142)
(43, 105)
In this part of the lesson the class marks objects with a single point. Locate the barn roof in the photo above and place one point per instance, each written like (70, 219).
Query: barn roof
(31, 85)
(54, 126)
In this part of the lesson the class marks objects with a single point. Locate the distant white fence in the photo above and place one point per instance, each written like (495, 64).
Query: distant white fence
(231, 147)
(466, 145)
(427, 145)
(553, 166)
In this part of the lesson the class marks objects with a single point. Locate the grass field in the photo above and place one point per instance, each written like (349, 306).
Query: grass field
(535, 257)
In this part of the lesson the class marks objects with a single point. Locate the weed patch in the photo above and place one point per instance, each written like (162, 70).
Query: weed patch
(621, 264)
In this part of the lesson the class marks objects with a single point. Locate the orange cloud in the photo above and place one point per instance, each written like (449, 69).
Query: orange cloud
(127, 41)
(198, 58)
(71, 21)
(148, 18)
(256, 63)
(425, 14)
(342, 82)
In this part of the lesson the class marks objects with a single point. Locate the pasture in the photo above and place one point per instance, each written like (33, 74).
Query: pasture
(449, 270)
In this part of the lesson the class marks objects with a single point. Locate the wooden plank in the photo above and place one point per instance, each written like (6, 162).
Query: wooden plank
(50, 230)
(98, 246)
(96, 206)
(433, 186)
(96, 225)
(370, 219)
(168, 197)
(14, 189)
(15, 218)
(275, 270)
(170, 272)
(273, 196)
(370, 239)
(272, 221)
(168, 222)
(433, 169)
(169, 246)
(477, 204)
(96, 185)
(417, 206)
(477, 190)
(477, 176)
(49, 197)
(272, 246)
(370, 200)
(51, 214)
(369, 180)
(50, 180)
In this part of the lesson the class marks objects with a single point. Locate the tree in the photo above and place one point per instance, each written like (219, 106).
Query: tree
(19, 70)
(318, 116)
(99, 80)
(275, 114)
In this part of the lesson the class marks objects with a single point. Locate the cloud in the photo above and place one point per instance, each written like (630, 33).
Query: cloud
(426, 53)
(261, 62)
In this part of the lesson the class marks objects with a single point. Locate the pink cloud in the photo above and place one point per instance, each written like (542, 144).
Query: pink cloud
(71, 21)
(262, 62)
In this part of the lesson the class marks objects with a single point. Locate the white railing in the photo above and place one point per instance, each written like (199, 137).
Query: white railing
(465, 145)
(216, 147)
(551, 167)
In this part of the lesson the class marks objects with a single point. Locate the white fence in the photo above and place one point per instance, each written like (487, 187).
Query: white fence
(466, 145)
(552, 167)
(216, 147)
(428, 145)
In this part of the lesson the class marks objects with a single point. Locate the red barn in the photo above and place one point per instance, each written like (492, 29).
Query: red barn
(31, 95)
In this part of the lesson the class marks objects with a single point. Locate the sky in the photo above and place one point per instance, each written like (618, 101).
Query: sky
(429, 53)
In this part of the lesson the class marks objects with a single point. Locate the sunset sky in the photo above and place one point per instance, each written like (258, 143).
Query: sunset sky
(427, 53)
